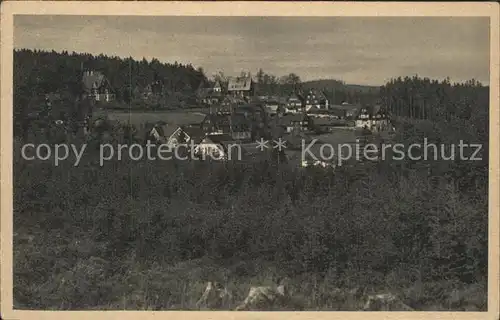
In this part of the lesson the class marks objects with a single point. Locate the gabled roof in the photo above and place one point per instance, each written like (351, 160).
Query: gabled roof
(217, 85)
(319, 94)
(240, 84)
(169, 129)
(93, 80)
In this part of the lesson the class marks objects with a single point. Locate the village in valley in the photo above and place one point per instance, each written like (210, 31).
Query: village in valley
(233, 112)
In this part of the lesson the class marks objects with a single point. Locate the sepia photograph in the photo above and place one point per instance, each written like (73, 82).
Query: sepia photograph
(237, 162)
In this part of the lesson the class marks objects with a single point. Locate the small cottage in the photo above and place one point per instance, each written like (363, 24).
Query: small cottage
(217, 147)
(272, 107)
(316, 99)
(380, 120)
(185, 135)
(155, 88)
(293, 104)
(364, 118)
(295, 122)
(243, 87)
(97, 86)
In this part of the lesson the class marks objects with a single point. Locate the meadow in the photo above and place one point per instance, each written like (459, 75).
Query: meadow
(182, 117)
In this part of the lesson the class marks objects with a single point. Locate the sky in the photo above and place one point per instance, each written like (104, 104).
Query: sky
(357, 50)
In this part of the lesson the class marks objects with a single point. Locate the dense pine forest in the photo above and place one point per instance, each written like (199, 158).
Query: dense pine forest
(37, 73)
(44, 72)
(423, 98)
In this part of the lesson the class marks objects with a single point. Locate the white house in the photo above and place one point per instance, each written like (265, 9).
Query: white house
(216, 147)
(316, 99)
(177, 135)
(380, 120)
(293, 104)
(374, 119)
(363, 119)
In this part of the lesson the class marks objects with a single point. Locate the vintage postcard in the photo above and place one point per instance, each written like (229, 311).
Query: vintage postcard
(235, 160)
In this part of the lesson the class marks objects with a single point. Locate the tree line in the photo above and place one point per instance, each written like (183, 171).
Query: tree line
(336, 91)
(38, 72)
(423, 98)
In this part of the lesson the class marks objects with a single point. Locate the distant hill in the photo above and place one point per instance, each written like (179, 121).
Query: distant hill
(331, 84)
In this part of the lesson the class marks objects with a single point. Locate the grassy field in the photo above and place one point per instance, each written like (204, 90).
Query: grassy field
(170, 117)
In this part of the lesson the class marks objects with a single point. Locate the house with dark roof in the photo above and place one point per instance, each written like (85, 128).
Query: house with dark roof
(294, 103)
(216, 123)
(243, 87)
(295, 122)
(241, 127)
(160, 132)
(217, 88)
(314, 98)
(350, 110)
(155, 88)
(96, 85)
(236, 125)
(380, 119)
(273, 107)
(156, 132)
(210, 94)
(373, 118)
(363, 118)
